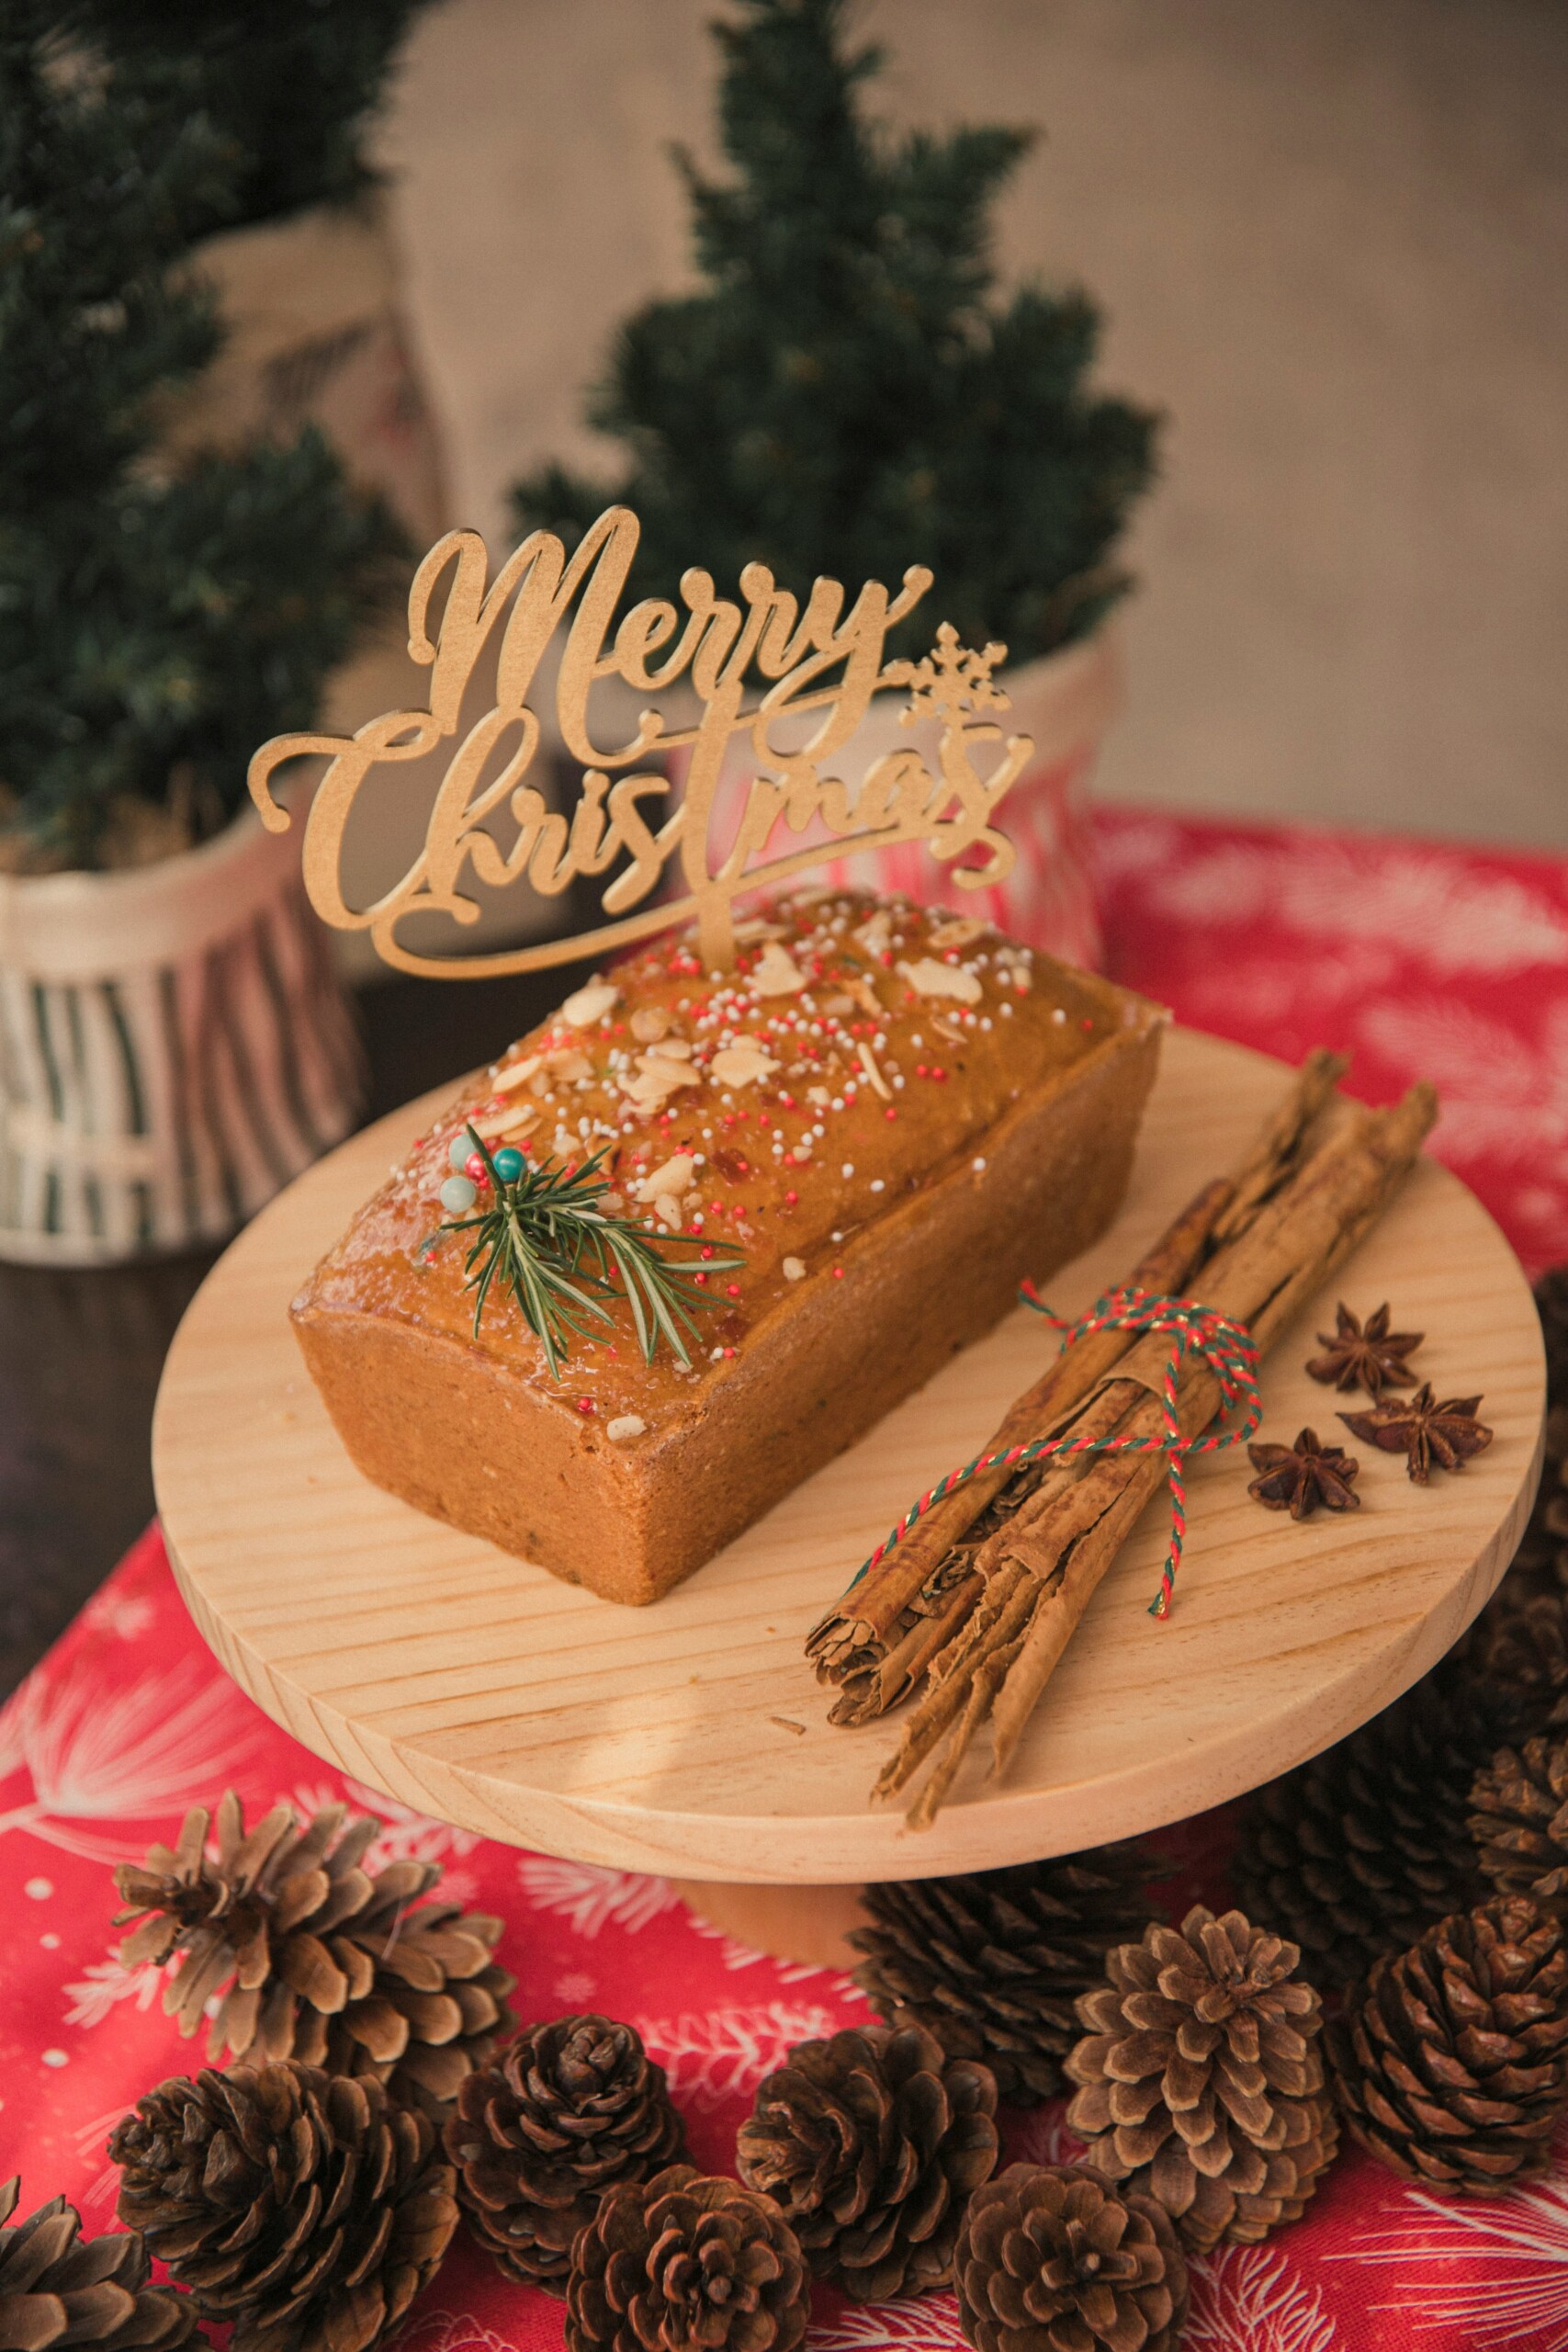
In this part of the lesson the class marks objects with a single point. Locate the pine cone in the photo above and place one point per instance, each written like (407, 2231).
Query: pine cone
(1052, 2259)
(1201, 2078)
(990, 1963)
(57, 2287)
(564, 2112)
(1520, 1822)
(323, 1963)
(1355, 1852)
(870, 2145)
(306, 2208)
(1516, 1653)
(1451, 2065)
(1540, 1564)
(680, 2263)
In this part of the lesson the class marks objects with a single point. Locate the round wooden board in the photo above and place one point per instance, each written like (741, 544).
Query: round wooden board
(690, 1738)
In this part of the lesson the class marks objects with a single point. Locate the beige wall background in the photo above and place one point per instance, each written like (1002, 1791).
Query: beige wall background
(1332, 243)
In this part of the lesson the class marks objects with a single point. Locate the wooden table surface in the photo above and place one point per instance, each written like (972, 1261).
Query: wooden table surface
(81, 1351)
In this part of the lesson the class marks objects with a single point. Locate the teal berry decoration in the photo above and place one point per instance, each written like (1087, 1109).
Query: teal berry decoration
(457, 1152)
(845, 393)
(458, 1193)
(508, 1163)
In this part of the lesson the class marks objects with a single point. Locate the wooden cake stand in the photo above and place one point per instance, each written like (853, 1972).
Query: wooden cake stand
(690, 1738)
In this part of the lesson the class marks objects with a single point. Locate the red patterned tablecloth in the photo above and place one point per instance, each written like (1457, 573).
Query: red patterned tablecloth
(1413, 957)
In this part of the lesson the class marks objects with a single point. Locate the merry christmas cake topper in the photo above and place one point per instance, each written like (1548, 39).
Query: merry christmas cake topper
(751, 667)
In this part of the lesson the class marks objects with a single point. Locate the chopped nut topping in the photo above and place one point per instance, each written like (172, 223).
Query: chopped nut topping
(673, 1049)
(803, 1149)
(666, 1209)
(673, 1178)
(514, 1121)
(819, 1096)
(649, 1023)
(928, 977)
(519, 1073)
(742, 1063)
(875, 934)
(792, 1270)
(590, 1004)
(777, 974)
(865, 996)
(623, 1426)
(957, 933)
(868, 1063)
(649, 1088)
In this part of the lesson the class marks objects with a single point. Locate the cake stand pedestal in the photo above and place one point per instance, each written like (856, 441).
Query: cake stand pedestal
(690, 1738)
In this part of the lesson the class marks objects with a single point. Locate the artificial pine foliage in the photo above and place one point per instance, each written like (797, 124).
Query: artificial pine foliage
(844, 396)
(292, 90)
(155, 625)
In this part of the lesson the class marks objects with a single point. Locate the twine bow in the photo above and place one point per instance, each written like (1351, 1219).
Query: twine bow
(1226, 1347)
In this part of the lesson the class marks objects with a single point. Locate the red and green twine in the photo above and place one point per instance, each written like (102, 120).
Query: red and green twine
(1194, 1330)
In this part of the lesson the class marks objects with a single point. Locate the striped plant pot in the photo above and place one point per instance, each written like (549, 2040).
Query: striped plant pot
(175, 1046)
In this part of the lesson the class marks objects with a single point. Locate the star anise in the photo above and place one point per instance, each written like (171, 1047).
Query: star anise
(1369, 1356)
(1298, 1478)
(1425, 1430)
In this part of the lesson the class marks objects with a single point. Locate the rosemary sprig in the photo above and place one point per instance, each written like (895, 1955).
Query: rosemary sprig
(546, 1240)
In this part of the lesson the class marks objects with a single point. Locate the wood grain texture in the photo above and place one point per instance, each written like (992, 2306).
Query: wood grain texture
(488, 1693)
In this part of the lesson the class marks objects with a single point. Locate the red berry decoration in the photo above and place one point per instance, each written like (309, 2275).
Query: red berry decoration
(474, 1169)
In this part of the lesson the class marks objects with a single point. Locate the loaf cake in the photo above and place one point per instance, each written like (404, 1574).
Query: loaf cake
(891, 1115)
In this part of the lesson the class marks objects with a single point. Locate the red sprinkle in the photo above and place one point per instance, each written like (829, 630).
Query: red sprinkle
(732, 1289)
(586, 1405)
(790, 1199)
(920, 1070)
(838, 1273)
(1088, 1021)
(729, 1351)
(702, 1278)
(890, 1113)
(707, 1249)
(940, 1075)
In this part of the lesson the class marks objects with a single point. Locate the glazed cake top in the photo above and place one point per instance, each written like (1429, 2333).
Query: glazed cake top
(860, 1049)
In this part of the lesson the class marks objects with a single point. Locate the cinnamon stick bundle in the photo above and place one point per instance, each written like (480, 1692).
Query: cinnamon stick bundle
(882, 1635)
(981, 1629)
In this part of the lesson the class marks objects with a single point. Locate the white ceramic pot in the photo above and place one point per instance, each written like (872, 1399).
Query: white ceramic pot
(175, 1046)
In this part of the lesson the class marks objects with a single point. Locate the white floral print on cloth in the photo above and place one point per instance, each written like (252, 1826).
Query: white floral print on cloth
(1430, 958)
(1451, 960)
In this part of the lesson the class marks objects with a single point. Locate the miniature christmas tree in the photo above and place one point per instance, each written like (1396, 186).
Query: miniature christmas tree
(845, 396)
(155, 625)
(293, 90)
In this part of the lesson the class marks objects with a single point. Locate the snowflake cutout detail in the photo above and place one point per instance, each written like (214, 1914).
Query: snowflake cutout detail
(952, 683)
